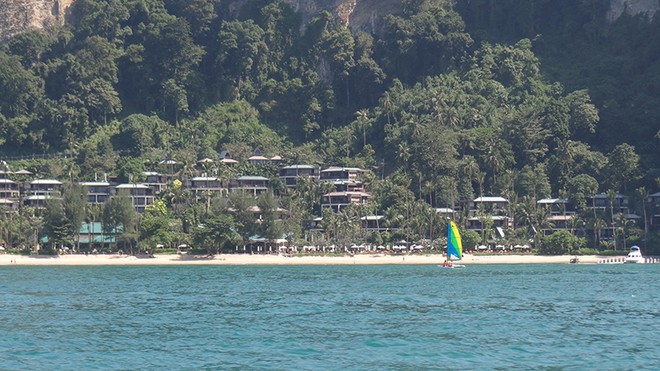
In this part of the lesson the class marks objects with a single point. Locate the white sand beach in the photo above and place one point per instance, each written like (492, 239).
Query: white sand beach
(246, 259)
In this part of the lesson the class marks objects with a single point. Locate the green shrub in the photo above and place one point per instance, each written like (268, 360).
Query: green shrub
(560, 243)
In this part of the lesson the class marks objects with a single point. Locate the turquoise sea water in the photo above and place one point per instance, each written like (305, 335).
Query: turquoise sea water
(330, 317)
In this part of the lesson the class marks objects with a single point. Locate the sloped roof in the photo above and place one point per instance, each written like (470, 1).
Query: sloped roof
(95, 184)
(490, 199)
(347, 194)
(46, 181)
(552, 201)
(338, 168)
(132, 186)
(299, 166)
(251, 177)
(204, 178)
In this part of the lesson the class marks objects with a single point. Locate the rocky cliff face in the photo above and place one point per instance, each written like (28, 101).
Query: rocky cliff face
(360, 15)
(21, 15)
(632, 7)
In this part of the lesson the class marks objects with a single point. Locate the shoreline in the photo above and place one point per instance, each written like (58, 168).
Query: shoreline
(246, 259)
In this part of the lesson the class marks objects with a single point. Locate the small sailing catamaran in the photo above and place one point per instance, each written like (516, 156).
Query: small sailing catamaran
(454, 247)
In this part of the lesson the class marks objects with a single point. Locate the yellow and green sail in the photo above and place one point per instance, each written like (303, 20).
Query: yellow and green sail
(454, 245)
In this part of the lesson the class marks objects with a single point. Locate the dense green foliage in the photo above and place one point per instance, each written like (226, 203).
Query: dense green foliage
(440, 111)
(617, 61)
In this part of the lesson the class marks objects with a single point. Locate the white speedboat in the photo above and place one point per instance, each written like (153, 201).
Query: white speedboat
(635, 255)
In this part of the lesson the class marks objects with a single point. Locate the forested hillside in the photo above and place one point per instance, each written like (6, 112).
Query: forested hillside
(582, 46)
(446, 102)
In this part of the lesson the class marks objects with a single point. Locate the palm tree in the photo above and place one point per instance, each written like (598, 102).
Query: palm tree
(486, 223)
(481, 177)
(387, 105)
(598, 224)
(364, 122)
(403, 153)
(575, 222)
(566, 153)
(470, 169)
(622, 224)
(330, 225)
(348, 223)
(93, 214)
(611, 199)
(643, 195)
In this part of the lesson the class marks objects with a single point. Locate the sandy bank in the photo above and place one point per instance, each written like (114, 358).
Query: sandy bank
(245, 259)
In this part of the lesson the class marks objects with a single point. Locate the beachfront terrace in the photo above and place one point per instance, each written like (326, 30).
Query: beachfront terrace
(493, 205)
(498, 222)
(43, 187)
(375, 223)
(205, 185)
(8, 205)
(9, 189)
(602, 202)
(36, 201)
(341, 173)
(140, 194)
(556, 206)
(156, 181)
(255, 185)
(290, 174)
(339, 200)
(97, 192)
(490, 211)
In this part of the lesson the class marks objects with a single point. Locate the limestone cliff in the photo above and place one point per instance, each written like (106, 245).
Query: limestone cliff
(21, 15)
(364, 15)
(632, 7)
(358, 14)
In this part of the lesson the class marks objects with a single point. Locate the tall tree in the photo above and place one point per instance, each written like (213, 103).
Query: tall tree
(75, 208)
(119, 218)
(56, 225)
(216, 233)
(269, 225)
(623, 166)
